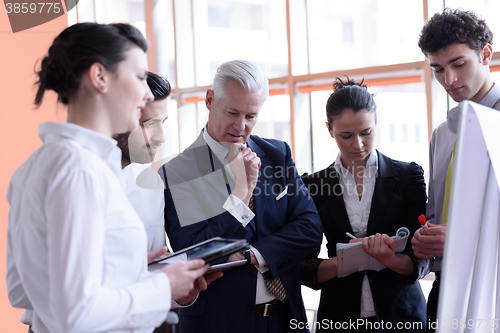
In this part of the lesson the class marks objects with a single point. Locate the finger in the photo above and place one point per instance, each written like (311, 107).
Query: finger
(417, 233)
(249, 156)
(201, 283)
(246, 151)
(366, 244)
(428, 231)
(235, 149)
(423, 254)
(356, 240)
(389, 241)
(195, 264)
(157, 253)
(212, 277)
(256, 162)
(371, 241)
(432, 225)
(236, 256)
(199, 271)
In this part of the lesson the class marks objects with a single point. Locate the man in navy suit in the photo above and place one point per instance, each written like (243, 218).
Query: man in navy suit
(232, 184)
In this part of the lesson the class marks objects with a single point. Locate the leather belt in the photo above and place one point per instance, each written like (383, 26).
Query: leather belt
(269, 309)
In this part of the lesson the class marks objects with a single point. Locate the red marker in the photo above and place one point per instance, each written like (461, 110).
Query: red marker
(422, 220)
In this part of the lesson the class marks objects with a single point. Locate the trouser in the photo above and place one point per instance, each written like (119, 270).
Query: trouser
(432, 301)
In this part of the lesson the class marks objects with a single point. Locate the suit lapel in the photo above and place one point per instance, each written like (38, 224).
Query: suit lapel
(335, 202)
(384, 187)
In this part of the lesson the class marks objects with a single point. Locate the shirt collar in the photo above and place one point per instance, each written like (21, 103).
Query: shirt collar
(101, 145)
(220, 151)
(491, 98)
(372, 162)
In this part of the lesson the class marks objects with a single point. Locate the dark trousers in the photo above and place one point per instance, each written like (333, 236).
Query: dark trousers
(432, 302)
(276, 323)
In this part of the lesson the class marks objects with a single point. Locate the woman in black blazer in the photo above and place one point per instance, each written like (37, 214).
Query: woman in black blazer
(369, 195)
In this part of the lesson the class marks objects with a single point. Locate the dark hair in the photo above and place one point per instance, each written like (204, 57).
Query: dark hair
(454, 26)
(160, 87)
(348, 94)
(77, 48)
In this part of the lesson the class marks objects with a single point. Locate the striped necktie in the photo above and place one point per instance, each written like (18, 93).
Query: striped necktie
(274, 285)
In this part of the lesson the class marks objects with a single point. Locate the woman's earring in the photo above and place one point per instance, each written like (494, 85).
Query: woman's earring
(103, 87)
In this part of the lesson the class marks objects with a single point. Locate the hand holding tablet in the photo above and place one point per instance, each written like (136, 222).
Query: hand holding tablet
(210, 251)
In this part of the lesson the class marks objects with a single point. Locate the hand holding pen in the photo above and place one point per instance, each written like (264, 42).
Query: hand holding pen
(428, 241)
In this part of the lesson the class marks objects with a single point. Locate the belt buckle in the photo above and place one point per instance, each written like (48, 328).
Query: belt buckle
(266, 308)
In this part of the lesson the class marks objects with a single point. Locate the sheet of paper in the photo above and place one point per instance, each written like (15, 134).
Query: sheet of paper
(352, 258)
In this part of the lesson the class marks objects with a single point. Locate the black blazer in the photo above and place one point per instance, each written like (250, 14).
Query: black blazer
(398, 199)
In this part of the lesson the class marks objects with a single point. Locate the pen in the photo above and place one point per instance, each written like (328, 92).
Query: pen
(422, 220)
(351, 235)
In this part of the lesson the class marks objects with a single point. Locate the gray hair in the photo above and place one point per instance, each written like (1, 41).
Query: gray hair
(247, 73)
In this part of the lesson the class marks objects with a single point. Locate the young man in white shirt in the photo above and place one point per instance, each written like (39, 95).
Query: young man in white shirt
(143, 185)
(457, 44)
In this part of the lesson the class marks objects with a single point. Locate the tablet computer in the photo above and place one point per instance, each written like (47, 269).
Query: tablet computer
(224, 266)
(210, 250)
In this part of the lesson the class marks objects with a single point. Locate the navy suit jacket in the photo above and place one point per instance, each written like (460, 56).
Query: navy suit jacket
(398, 199)
(284, 231)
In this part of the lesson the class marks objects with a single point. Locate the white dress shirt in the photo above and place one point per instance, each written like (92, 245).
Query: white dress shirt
(144, 190)
(358, 211)
(76, 249)
(244, 215)
(440, 151)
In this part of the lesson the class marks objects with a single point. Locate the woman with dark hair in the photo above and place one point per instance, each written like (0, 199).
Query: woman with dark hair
(76, 249)
(369, 195)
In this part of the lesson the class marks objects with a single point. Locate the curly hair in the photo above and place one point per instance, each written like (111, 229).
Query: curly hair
(348, 94)
(454, 26)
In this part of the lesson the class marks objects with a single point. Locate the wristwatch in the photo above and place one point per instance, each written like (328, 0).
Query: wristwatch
(248, 258)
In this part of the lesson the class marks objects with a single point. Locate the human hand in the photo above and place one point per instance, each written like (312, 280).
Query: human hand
(429, 242)
(245, 165)
(240, 256)
(381, 247)
(356, 240)
(200, 284)
(157, 254)
(182, 275)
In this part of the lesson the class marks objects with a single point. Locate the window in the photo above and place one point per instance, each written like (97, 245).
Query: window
(347, 32)
(361, 33)
(392, 133)
(405, 133)
(211, 32)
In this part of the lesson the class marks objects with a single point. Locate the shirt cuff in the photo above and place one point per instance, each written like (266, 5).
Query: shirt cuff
(262, 267)
(178, 305)
(238, 210)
